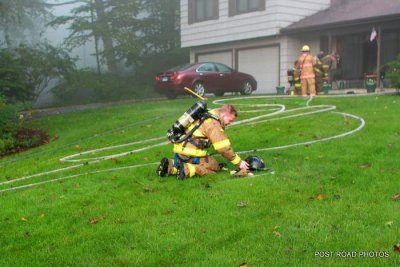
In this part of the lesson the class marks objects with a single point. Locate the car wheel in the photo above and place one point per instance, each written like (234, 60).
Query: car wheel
(199, 88)
(219, 93)
(247, 88)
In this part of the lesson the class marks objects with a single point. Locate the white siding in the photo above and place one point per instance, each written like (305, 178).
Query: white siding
(277, 14)
(290, 51)
(221, 57)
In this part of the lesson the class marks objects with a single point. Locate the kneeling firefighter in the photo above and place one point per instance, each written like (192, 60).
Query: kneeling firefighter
(192, 134)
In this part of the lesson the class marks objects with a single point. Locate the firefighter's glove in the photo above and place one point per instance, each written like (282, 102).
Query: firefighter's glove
(243, 165)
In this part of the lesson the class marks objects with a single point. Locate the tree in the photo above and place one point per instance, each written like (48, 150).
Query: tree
(26, 71)
(14, 85)
(161, 38)
(103, 20)
(129, 31)
(142, 34)
(161, 26)
(17, 16)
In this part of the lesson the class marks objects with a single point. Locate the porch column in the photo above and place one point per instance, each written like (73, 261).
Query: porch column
(378, 57)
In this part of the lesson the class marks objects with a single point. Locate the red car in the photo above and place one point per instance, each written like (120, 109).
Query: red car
(206, 77)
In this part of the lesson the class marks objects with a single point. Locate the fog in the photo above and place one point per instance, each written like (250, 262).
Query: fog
(143, 41)
(56, 36)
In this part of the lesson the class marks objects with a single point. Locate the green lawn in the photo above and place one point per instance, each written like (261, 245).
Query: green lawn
(335, 198)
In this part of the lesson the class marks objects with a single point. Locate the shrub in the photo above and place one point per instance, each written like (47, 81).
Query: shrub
(393, 72)
(25, 71)
(9, 121)
(9, 125)
(87, 86)
(28, 138)
(13, 137)
(7, 143)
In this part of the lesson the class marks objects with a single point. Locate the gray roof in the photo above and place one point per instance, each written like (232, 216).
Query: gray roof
(347, 12)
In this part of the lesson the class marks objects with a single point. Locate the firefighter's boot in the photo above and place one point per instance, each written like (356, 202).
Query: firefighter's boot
(162, 169)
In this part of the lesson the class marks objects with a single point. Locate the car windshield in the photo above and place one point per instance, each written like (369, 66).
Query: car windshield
(181, 67)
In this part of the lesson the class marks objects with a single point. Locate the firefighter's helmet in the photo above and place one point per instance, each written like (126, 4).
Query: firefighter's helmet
(256, 163)
(305, 48)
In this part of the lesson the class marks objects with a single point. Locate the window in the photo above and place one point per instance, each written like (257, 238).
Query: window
(201, 10)
(223, 68)
(245, 6)
(207, 67)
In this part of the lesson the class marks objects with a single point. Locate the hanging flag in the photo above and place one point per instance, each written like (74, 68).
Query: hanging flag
(373, 34)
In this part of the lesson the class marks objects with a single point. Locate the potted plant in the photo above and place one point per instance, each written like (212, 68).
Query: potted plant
(371, 86)
(280, 90)
(326, 87)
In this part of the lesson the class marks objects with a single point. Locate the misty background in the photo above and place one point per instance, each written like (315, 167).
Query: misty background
(85, 53)
(62, 52)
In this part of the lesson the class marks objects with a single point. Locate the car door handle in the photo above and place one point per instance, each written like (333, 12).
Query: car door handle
(221, 74)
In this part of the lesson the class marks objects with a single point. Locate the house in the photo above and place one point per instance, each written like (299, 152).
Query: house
(264, 37)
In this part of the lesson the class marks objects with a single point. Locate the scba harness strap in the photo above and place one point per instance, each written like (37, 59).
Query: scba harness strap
(199, 142)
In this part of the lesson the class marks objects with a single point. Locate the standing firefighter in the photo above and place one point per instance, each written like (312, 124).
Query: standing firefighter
(192, 134)
(327, 64)
(305, 65)
(319, 72)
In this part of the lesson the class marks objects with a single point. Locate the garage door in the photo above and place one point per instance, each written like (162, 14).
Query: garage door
(263, 64)
(221, 57)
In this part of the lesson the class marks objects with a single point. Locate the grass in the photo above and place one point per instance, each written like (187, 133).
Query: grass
(335, 197)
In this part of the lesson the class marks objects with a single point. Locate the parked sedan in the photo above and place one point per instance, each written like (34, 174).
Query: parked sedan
(206, 77)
